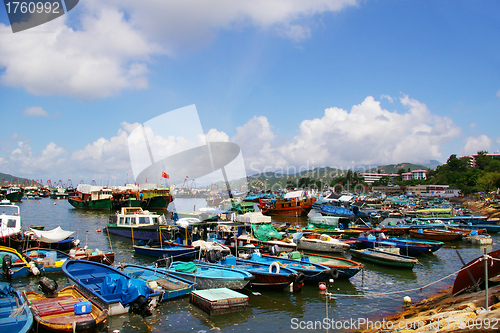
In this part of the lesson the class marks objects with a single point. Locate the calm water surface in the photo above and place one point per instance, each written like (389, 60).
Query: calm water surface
(270, 311)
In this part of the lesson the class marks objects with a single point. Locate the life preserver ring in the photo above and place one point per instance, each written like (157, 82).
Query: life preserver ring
(274, 264)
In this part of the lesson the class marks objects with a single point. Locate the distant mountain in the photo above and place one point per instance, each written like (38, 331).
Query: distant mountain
(393, 168)
(10, 179)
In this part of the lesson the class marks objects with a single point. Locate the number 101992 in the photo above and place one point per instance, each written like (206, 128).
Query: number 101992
(32, 7)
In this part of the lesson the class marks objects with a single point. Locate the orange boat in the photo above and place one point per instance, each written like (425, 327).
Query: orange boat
(292, 204)
(474, 275)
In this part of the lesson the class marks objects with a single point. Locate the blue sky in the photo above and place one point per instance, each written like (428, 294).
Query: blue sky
(294, 83)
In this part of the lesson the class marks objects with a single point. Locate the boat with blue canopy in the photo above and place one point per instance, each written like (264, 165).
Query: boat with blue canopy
(111, 289)
(15, 314)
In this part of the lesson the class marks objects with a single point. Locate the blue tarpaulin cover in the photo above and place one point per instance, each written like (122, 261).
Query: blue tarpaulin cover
(6, 290)
(129, 289)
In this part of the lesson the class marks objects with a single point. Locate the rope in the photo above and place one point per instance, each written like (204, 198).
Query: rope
(403, 291)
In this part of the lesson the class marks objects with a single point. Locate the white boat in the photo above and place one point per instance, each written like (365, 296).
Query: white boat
(323, 243)
(11, 230)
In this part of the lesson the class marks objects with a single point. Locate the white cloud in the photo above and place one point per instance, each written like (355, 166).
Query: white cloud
(214, 135)
(389, 98)
(35, 111)
(23, 162)
(107, 51)
(475, 144)
(104, 57)
(367, 135)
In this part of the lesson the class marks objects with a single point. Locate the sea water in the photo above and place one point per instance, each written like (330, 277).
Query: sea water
(269, 311)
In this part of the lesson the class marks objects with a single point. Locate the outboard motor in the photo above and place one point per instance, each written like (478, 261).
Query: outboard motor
(7, 265)
(48, 287)
(164, 261)
(140, 306)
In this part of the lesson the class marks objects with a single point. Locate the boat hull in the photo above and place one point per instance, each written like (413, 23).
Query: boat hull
(57, 314)
(102, 204)
(346, 268)
(176, 251)
(322, 246)
(476, 272)
(15, 303)
(385, 258)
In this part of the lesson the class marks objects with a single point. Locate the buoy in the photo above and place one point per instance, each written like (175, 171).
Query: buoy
(98, 230)
(322, 286)
(330, 283)
(407, 301)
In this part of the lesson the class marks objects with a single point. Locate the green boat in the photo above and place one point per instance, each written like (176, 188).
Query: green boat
(381, 257)
(155, 198)
(13, 194)
(92, 197)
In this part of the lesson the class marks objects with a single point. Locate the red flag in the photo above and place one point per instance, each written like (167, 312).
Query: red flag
(164, 175)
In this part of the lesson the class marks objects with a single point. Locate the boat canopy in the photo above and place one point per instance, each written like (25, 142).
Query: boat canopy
(294, 194)
(52, 236)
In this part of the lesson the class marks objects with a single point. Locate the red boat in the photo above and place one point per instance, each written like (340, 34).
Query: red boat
(475, 273)
(293, 204)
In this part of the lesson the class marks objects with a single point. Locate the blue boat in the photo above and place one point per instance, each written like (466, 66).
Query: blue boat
(14, 265)
(209, 276)
(170, 286)
(266, 276)
(47, 260)
(408, 249)
(15, 314)
(111, 289)
(435, 245)
(312, 271)
(177, 251)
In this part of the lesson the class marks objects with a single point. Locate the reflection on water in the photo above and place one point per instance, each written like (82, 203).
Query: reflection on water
(269, 311)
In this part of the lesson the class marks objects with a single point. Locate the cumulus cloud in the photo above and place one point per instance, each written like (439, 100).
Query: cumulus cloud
(21, 161)
(474, 144)
(35, 111)
(365, 135)
(108, 51)
(104, 57)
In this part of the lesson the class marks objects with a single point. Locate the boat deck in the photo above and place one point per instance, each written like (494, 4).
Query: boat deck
(219, 300)
(61, 310)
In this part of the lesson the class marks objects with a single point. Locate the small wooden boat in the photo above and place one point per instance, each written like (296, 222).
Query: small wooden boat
(57, 313)
(170, 286)
(312, 271)
(381, 257)
(266, 276)
(14, 265)
(475, 273)
(47, 260)
(410, 249)
(15, 315)
(346, 268)
(111, 289)
(283, 245)
(322, 243)
(434, 234)
(208, 276)
(435, 245)
(466, 230)
(56, 238)
(177, 251)
(96, 255)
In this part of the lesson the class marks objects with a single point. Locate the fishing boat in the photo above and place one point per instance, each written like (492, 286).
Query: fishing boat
(15, 315)
(65, 311)
(322, 243)
(208, 276)
(169, 286)
(111, 289)
(14, 265)
(292, 204)
(168, 249)
(381, 257)
(346, 268)
(264, 234)
(435, 245)
(156, 198)
(312, 271)
(56, 238)
(96, 255)
(11, 230)
(47, 260)
(266, 276)
(475, 272)
(434, 234)
(409, 249)
(137, 224)
(92, 197)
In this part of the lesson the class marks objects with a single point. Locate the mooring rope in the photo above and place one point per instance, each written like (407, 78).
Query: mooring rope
(403, 291)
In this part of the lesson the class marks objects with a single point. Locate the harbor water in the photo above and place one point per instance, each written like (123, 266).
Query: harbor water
(284, 311)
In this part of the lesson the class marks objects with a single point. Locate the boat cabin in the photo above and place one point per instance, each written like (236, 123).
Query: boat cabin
(136, 216)
(10, 220)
